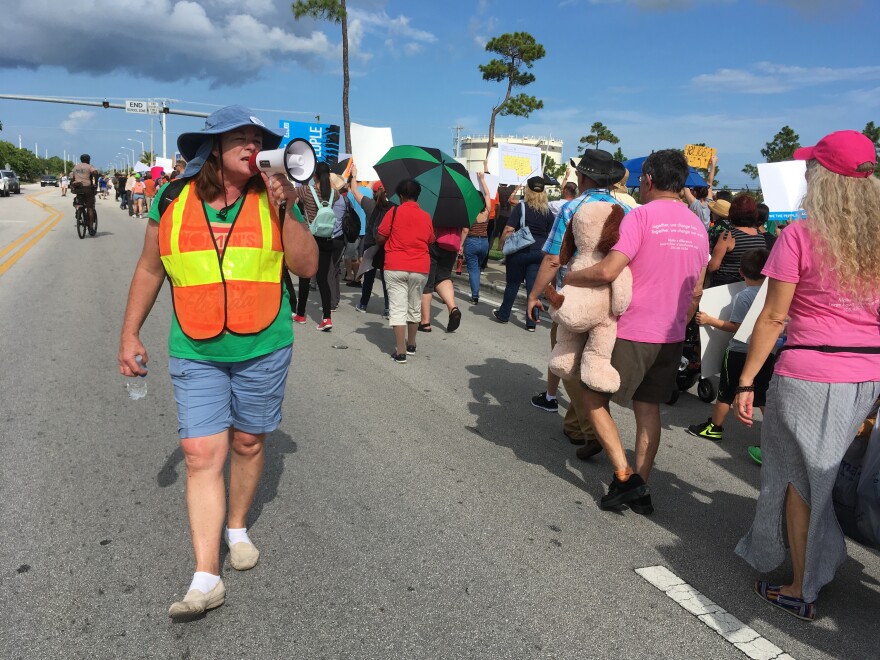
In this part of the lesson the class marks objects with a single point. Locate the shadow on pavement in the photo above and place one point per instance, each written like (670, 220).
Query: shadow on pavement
(501, 392)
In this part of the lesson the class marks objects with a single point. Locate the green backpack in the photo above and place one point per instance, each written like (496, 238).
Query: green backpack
(325, 219)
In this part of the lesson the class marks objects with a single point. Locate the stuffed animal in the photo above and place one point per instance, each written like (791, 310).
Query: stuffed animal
(587, 316)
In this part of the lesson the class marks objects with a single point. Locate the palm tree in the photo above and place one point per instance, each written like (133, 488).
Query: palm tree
(334, 11)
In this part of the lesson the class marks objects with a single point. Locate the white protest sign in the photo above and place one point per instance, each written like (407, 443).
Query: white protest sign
(784, 187)
(165, 163)
(368, 145)
(517, 162)
(744, 334)
(718, 302)
(491, 183)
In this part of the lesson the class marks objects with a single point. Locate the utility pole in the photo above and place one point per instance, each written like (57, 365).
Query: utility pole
(456, 143)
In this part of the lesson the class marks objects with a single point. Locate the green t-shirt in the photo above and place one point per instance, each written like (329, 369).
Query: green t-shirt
(229, 347)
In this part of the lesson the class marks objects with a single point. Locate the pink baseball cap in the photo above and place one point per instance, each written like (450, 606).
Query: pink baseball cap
(376, 185)
(848, 153)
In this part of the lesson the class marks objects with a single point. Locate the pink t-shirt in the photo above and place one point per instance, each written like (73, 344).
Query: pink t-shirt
(821, 316)
(667, 247)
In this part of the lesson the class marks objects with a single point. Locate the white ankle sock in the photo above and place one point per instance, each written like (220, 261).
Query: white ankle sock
(204, 582)
(549, 397)
(237, 536)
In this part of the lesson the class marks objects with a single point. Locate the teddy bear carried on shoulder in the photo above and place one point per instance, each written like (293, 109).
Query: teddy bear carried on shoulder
(587, 316)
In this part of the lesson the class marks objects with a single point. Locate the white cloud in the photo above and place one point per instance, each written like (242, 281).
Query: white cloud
(76, 120)
(770, 78)
(221, 41)
(397, 34)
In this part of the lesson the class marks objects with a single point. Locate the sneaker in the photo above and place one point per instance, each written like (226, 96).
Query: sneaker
(475, 300)
(333, 309)
(299, 319)
(541, 401)
(755, 453)
(498, 318)
(326, 325)
(623, 492)
(707, 430)
(530, 328)
(400, 359)
(386, 314)
(410, 350)
(360, 308)
(196, 603)
(642, 505)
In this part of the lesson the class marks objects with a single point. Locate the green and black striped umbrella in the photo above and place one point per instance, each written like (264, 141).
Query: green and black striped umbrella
(448, 195)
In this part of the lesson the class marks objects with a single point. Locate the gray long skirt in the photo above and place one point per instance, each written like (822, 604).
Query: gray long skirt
(806, 431)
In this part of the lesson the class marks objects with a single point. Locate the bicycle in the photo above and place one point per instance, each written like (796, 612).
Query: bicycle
(82, 222)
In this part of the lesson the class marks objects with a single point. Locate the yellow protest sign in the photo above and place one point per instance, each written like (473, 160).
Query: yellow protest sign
(519, 164)
(698, 156)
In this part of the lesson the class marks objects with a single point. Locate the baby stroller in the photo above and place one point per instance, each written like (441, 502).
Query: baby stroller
(689, 369)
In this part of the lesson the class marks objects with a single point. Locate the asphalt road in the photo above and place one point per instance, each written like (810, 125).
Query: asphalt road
(417, 511)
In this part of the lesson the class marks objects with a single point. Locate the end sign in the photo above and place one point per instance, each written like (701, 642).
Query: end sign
(136, 107)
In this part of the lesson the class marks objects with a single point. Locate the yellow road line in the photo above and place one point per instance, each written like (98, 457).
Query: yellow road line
(24, 237)
(40, 230)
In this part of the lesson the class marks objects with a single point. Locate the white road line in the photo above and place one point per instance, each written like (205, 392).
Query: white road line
(725, 624)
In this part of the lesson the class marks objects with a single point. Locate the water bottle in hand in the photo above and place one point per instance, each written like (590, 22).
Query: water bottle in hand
(137, 387)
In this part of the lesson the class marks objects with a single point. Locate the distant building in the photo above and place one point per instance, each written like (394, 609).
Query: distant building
(473, 148)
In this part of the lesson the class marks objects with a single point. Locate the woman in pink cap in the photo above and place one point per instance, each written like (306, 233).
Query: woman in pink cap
(827, 376)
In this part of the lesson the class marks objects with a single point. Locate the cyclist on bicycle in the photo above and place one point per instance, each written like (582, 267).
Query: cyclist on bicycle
(84, 184)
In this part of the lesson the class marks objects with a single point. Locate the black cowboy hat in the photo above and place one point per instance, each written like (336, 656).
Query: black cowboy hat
(600, 166)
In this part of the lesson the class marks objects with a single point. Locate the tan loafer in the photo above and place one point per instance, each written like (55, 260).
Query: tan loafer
(243, 556)
(197, 602)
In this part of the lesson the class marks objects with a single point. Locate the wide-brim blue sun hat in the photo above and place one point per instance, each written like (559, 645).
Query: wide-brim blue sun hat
(196, 145)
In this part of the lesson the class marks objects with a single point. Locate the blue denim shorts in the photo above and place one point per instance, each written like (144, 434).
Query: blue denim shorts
(212, 396)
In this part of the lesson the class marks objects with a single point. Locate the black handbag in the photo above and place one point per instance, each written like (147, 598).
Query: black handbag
(379, 257)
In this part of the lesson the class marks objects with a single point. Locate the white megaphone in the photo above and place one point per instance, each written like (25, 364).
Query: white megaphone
(297, 161)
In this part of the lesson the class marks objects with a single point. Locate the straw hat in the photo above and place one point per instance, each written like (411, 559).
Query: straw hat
(720, 207)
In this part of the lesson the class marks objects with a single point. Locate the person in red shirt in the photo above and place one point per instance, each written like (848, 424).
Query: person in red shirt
(406, 232)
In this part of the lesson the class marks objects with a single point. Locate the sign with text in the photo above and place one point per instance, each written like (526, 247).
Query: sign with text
(136, 107)
(517, 162)
(698, 156)
(323, 137)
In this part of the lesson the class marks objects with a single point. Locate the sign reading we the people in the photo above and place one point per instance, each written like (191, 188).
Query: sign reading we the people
(698, 155)
(324, 138)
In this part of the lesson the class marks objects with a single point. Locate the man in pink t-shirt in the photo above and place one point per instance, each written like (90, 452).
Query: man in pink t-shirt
(666, 247)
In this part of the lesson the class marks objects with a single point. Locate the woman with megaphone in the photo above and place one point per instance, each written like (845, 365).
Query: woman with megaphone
(231, 337)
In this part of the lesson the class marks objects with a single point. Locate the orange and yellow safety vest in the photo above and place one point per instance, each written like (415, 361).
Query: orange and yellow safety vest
(238, 291)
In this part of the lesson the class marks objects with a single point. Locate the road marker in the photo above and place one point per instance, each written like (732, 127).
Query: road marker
(40, 230)
(724, 623)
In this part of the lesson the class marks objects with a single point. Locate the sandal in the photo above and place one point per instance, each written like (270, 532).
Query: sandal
(424, 327)
(797, 607)
(454, 320)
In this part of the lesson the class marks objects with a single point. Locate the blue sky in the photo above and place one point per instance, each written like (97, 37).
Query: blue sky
(658, 73)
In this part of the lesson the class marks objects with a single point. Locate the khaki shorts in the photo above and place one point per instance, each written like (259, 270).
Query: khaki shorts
(647, 371)
(404, 296)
